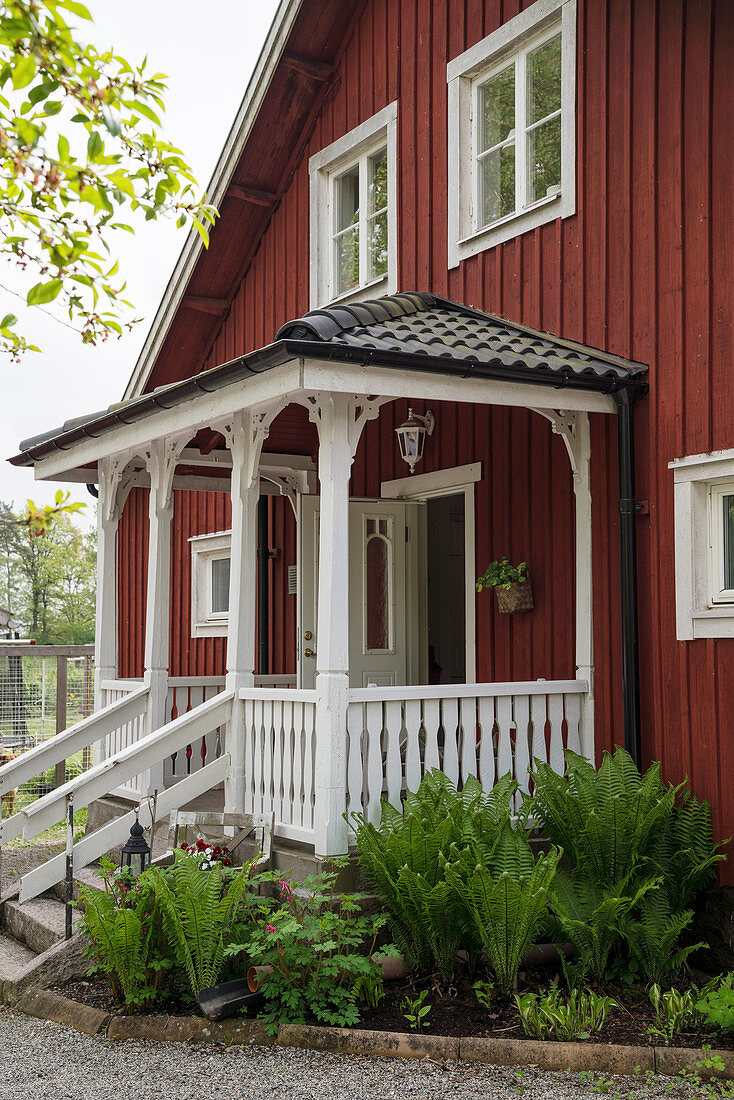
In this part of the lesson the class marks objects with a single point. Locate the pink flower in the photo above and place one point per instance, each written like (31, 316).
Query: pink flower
(270, 928)
(287, 890)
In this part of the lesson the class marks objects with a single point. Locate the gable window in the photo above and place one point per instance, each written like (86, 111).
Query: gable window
(353, 242)
(704, 545)
(511, 129)
(210, 569)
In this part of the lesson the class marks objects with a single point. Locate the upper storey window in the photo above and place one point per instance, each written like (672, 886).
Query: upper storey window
(353, 243)
(512, 130)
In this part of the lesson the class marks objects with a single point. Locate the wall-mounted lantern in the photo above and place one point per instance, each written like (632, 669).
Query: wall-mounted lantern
(412, 436)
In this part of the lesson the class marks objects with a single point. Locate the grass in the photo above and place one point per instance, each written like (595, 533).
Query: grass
(56, 835)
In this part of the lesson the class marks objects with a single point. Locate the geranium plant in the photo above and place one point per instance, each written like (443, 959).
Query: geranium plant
(501, 574)
(206, 855)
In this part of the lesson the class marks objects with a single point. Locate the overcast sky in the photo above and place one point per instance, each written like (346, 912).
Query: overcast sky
(208, 53)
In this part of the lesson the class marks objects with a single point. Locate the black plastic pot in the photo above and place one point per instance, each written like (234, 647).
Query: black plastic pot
(218, 1002)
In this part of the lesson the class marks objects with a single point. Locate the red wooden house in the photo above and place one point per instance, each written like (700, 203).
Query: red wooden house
(515, 218)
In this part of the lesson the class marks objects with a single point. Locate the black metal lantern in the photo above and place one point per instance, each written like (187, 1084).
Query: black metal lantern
(136, 853)
(412, 436)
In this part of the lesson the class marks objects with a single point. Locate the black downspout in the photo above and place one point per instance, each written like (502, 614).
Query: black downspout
(263, 587)
(628, 575)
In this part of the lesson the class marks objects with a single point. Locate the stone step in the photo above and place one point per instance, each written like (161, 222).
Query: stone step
(39, 923)
(14, 958)
(83, 877)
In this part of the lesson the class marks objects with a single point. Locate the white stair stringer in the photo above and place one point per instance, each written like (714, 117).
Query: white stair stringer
(106, 777)
(91, 847)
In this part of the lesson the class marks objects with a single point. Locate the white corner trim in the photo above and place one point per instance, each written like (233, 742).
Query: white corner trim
(464, 239)
(381, 126)
(435, 483)
(237, 138)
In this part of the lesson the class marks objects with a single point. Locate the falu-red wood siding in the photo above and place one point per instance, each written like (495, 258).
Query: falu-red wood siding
(643, 269)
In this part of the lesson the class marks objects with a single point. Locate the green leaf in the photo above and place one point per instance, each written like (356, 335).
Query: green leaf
(77, 9)
(53, 107)
(24, 71)
(44, 292)
(8, 320)
(95, 146)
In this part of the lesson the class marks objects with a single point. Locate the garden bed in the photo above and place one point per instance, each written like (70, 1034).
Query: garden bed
(456, 1015)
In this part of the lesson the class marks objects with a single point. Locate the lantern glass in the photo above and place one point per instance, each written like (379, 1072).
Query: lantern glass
(135, 855)
(412, 437)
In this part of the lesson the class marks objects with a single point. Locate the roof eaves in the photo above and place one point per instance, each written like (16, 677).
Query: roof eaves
(233, 147)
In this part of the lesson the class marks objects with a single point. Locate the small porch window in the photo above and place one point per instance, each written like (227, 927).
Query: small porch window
(721, 513)
(353, 204)
(210, 569)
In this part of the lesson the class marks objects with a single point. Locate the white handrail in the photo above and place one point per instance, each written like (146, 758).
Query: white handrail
(468, 691)
(91, 847)
(128, 762)
(279, 695)
(65, 744)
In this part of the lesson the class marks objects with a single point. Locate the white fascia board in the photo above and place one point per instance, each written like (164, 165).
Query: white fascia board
(703, 467)
(261, 390)
(233, 147)
(353, 378)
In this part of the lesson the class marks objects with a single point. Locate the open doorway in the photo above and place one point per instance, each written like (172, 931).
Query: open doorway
(446, 587)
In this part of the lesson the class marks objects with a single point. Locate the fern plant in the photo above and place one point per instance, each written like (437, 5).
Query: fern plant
(507, 902)
(126, 943)
(197, 914)
(593, 918)
(652, 936)
(406, 858)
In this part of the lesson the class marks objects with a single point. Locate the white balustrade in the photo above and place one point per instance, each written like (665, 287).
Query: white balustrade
(396, 735)
(280, 740)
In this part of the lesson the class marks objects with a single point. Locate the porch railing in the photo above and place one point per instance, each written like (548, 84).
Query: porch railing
(280, 743)
(396, 735)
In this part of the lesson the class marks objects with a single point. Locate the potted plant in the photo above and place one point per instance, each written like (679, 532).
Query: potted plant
(511, 584)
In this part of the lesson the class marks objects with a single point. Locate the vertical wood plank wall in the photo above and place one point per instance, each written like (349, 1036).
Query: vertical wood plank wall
(643, 269)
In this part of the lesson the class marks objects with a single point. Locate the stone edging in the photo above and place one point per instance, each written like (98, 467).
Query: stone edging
(605, 1057)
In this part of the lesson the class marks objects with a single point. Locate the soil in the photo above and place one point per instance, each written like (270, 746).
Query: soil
(454, 1012)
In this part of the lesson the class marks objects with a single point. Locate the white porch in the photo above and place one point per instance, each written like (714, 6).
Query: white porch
(312, 755)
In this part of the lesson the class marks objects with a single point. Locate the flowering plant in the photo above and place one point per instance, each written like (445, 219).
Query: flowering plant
(318, 943)
(206, 855)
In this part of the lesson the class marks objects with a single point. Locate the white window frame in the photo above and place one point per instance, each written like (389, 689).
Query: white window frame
(465, 75)
(205, 549)
(323, 168)
(703, 608)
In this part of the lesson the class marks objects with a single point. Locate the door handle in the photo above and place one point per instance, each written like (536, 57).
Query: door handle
(309, 653)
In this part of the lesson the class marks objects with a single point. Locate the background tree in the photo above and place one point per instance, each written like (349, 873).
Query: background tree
(79, 151)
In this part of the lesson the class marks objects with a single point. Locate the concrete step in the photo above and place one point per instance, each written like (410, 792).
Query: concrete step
(14, 958)
(84, 877)
(39, 923)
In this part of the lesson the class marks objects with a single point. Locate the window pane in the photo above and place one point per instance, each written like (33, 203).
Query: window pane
(220, 585)
(497, 108)
(378, 594)
(346, 260)
(377, 245)
(728, 506)
(346, 199)
(377, 181)
(544, 80)
(497, 184)
(544, 160)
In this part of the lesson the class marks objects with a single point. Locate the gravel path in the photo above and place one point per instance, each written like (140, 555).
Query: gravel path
(40, 1060)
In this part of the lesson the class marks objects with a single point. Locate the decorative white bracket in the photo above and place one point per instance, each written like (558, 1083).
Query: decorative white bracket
(244, 432)
(115, 482)
(289, 485)
(361, 408)
(566, 424)
(161, 458)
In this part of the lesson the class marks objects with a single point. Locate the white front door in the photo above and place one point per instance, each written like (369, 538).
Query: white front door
(377, 596)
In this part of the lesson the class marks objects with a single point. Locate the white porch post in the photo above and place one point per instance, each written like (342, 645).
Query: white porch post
(584, 578)
(244, 433)
(160, 461)
(339, 426)
(113, 492)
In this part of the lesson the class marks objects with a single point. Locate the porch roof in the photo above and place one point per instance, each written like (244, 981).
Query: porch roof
(415, 331)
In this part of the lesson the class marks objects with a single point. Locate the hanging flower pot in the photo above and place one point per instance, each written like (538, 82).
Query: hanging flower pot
(518, 597)
(511, 583)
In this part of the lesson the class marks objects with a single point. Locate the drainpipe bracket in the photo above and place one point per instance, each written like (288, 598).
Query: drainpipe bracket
(633, 507)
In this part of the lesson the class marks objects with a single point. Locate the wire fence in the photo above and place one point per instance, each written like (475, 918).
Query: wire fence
(43, 690)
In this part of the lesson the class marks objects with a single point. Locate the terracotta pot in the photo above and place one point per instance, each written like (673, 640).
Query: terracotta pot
(518, 597)
(254, 976)
(393, 967)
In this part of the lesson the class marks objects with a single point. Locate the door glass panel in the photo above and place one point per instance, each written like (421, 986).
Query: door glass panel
(728, 518)
(378, 586)
(220, 586)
